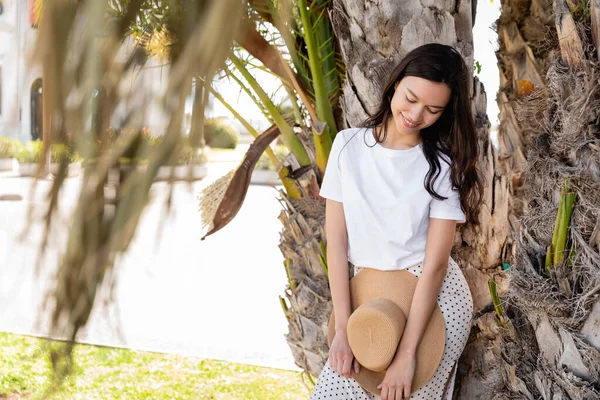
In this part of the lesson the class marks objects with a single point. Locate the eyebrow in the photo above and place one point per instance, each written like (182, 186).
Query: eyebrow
(410, 91)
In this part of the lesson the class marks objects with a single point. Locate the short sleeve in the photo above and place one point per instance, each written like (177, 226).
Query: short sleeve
(449, 208)
(331, 187)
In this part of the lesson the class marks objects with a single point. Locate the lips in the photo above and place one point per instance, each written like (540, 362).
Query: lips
(407, 123)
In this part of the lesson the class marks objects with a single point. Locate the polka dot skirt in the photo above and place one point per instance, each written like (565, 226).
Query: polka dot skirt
(456, 305)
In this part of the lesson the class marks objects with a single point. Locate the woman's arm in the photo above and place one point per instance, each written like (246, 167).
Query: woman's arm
(440, 237)
(337, 262)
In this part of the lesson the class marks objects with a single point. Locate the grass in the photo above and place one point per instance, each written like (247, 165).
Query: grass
(108, 373)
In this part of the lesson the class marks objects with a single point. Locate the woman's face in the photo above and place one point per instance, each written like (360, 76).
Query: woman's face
(418, 103)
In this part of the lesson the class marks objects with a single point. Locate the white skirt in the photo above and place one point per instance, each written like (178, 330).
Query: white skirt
(456, 305)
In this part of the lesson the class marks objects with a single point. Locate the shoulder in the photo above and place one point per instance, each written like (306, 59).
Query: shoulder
(444, 181)
(443, 173)
(445, 161)
(348, 133)
(348, 137)
(445, 164)
(346, 145)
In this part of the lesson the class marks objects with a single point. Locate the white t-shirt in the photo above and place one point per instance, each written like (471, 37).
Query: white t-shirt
(386, 205)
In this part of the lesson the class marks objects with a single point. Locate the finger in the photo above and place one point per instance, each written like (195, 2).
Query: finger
(356, 366)
(407, 391)
(346, 367)
(333, 363)
(338, 366)
(404, 392)
(399, 394)
(384, 393)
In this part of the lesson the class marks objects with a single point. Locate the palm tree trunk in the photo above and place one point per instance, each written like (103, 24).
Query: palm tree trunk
(549, 101)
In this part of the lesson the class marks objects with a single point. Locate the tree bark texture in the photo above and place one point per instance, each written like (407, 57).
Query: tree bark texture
(549, 107)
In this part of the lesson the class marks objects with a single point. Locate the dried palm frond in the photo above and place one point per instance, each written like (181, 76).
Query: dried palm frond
(221, 201)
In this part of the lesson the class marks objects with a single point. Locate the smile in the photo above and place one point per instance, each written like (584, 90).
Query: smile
(408, 123)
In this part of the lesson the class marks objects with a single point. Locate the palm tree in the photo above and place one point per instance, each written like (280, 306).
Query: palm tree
(549, 152)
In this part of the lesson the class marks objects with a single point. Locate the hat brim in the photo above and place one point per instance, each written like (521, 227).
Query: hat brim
(399, 287)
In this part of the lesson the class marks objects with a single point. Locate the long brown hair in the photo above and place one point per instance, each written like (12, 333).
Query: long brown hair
(453, 134)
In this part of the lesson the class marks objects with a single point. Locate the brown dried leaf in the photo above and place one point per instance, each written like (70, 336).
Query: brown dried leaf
(238, 187)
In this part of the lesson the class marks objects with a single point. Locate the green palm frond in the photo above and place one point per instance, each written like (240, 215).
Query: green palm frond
(287, 134)
(309, 37)
(264, 111)
(317, 33)
(293, 33)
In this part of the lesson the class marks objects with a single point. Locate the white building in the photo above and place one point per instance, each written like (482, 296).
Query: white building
(21, 81)
(20, 87)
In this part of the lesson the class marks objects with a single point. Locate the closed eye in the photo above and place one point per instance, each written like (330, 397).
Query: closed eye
(429, 109)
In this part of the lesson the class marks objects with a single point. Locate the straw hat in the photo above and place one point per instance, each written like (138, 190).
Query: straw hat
(381, 303)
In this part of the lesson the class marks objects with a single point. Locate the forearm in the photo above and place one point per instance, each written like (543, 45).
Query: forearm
(423, 303)
(337, 260)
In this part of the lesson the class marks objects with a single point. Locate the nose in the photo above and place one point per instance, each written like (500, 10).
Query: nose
(416, 114)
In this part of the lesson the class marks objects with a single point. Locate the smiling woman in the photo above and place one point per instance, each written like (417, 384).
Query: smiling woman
(396, 187)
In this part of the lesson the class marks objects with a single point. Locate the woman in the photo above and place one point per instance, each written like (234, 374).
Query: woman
(396, 187)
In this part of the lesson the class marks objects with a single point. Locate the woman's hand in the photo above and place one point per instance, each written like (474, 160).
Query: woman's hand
(398, 378)
(341, 358)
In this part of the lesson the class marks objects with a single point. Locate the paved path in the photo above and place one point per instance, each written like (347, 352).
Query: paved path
(213, 299)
